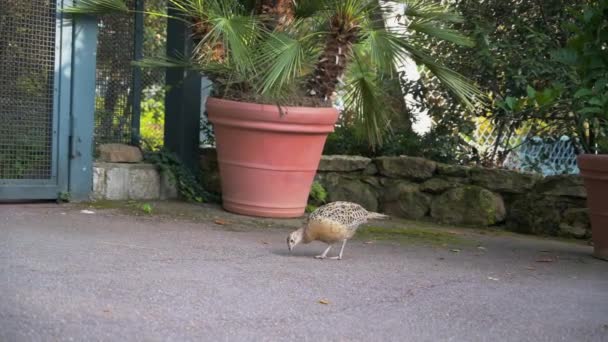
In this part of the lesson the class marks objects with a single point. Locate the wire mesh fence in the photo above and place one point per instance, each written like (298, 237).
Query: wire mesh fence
(27, 67)
(153, 80)
(114, 84)
(130, 102)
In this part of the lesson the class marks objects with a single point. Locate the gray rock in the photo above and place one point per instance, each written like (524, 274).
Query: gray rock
(567, 230)
(404, 199)
(340, 188)
(208, 159)
(119, 153)
(120, 181)
(341, 163)
(210, 170)
(438, 185)
(576, 223)
(535, 213)
(212, 182)
(577, 217)
(373, 181)
(144, 183)
(371, 169)
(406, 167)
(99, 182)
(504, 181)
(563, 185)
(168, 186)
(453, 170)
(469, 205)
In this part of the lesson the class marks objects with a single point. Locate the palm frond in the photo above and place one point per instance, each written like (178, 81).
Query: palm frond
(433, 29)
(460, 86)
(191, 8)
(351, 10)
(97, 7)
(429, 10)
(164, 62)
(283, 59)
(308, 8)
(381, 49)
(237, 32)
(396, 48)
(366, 99)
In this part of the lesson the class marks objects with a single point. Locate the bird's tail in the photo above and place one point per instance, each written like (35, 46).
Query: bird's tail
(377, 216)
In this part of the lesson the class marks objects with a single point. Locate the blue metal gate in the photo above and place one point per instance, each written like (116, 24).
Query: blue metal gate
(35, 88)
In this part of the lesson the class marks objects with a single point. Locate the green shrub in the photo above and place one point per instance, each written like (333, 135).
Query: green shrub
(317, 197)
(436, 145)
(152, 124)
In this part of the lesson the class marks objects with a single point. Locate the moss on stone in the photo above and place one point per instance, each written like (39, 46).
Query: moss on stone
(469, 205)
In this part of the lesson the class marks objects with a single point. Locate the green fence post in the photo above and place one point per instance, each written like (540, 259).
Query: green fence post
(183, 98)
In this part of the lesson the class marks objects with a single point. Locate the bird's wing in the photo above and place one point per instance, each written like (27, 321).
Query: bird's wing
(348, 214)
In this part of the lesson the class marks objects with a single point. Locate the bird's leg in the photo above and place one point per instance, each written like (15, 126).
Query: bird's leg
(324, 255)
(339, 257)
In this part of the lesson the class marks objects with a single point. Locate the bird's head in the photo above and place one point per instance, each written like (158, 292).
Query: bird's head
(294, 238)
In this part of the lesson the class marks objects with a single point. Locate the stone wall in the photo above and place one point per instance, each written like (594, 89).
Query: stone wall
(122, 181)
(421, 189)
(120, 174)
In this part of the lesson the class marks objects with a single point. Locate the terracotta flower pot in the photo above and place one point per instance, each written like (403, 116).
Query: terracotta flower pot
(594, 169)
(267, 161)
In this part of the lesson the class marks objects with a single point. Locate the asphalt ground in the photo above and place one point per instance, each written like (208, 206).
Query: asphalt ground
(110, 275)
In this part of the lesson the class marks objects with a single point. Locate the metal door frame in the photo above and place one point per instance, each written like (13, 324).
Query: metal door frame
(73, 113)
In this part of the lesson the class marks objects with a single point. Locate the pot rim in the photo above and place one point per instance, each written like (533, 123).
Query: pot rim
(264, 116)
(236, 103)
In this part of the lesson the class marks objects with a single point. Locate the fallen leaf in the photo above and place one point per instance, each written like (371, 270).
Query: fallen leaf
(106, 310)
(482, 248)
(455, 250)
(264, 242)
(324, 301)
(368, 242)
(220, 222)
(441, 258)
(88, 212)
(531, 268)
(492, 278)
(545, 260)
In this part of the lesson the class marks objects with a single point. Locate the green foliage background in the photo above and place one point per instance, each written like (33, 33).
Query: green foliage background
(516, 65)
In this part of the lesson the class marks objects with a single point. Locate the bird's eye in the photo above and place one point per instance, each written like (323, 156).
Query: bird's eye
(291, 241)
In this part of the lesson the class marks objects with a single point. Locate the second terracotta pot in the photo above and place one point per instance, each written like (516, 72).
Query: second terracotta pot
(594, 170)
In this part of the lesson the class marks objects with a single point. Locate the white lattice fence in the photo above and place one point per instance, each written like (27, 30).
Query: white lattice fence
(548, 156)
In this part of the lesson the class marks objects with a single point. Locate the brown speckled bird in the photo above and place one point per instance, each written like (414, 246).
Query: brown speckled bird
(331, 223)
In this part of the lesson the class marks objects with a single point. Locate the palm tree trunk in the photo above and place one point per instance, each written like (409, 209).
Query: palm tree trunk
(216, 49)
(280, 13)
(285, 10)
(333, 61)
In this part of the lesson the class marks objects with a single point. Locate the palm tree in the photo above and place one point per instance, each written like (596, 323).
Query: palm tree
(305, 52)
